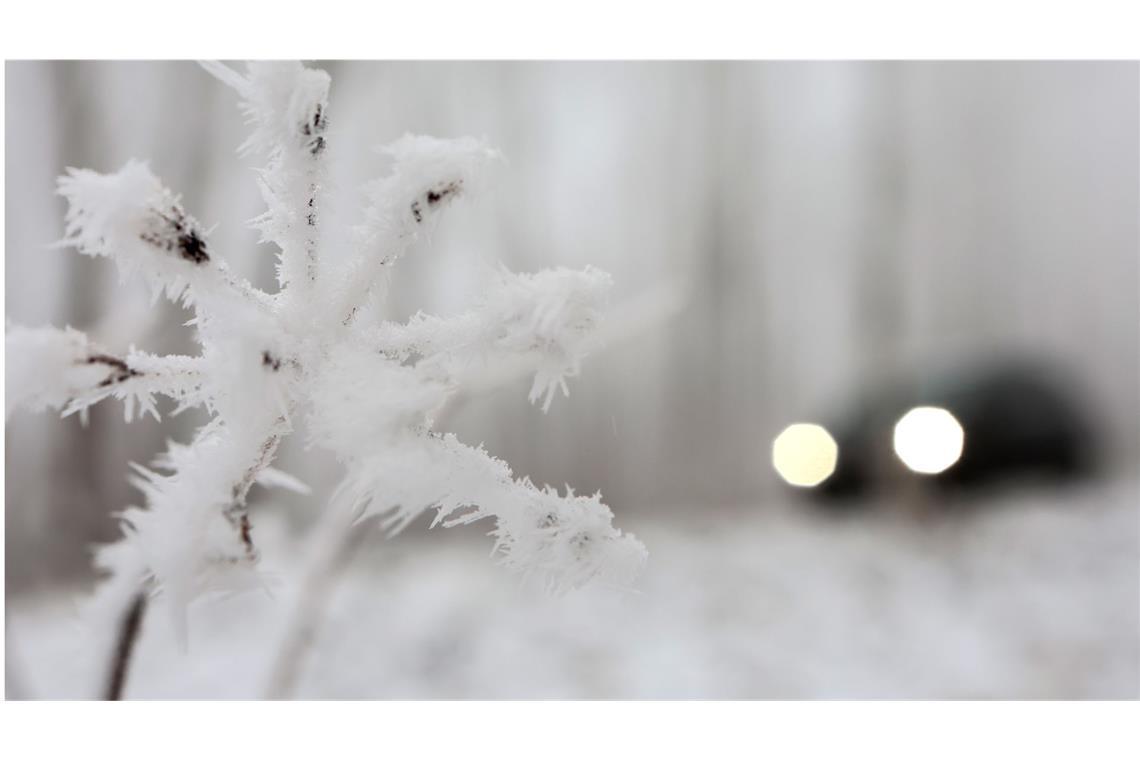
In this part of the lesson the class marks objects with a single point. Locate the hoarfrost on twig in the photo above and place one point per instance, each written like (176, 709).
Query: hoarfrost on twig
(367, 391)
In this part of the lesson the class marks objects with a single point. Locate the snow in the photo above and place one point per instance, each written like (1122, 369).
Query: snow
(1027, 594)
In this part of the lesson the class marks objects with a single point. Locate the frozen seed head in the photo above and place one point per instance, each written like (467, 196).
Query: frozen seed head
(370, 392)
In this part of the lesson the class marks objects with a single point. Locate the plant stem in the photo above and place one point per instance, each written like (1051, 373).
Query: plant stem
(124, 646)
(334, 542)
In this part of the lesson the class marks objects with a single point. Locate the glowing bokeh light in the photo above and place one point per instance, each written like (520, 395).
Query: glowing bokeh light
(928, 439)
(804, 454)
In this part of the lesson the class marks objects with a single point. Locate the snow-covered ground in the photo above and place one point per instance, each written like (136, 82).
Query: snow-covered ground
(1035, 593)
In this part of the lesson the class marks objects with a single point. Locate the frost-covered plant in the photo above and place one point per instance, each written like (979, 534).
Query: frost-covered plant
(367, 390)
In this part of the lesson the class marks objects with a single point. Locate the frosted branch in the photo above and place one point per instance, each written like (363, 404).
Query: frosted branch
(131, 217)
(51, 368)
(545, 319)
(194, 535)
(565, 541)
(427, 176)
(287, 108)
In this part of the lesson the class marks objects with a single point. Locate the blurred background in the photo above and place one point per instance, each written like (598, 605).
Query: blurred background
(823, 244)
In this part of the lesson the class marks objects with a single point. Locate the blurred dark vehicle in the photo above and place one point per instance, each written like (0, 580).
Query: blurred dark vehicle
(1020, 419)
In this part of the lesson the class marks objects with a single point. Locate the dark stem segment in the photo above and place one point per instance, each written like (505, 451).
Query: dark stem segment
(125, 645)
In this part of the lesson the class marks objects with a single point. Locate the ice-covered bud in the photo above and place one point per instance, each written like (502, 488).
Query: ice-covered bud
(285, 103)
(427, 175)
(132, 218)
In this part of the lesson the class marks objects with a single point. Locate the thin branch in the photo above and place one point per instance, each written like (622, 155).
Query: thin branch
(129, 629)
(238, 510)
(334, 543)
(50, 367)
